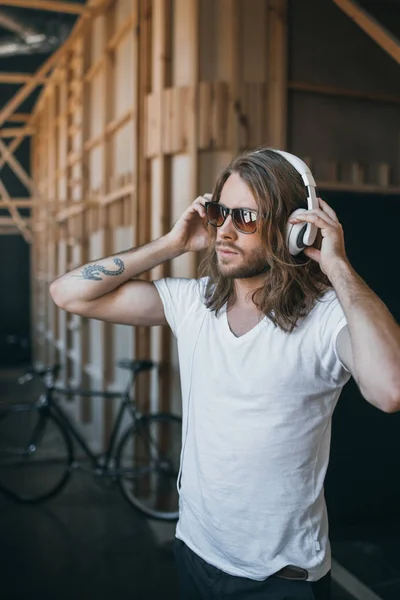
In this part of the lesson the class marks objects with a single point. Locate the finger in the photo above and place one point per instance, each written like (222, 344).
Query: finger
(328, 209)
(313, 253)
(207, 196)
(198, 206)
(316, 216)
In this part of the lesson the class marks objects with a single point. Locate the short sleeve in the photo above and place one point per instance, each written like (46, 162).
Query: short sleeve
(180, 297)
(331, 320)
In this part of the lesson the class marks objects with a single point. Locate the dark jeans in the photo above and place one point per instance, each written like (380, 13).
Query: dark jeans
(200, 581)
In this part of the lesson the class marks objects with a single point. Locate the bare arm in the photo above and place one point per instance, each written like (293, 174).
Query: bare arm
(370, 347)
(106, 289)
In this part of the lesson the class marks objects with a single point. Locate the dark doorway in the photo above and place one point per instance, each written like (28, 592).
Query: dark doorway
(14, 301)
(363, 481)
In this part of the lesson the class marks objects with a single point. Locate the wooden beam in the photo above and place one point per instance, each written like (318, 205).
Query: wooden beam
(19, 203)
(328, 90)
(161, 209)
(9, 230)
(26, 90)
(19, 118)
(10, 132)
(192, 16)
(12, 147)
(9, 222)
(234, 51)
(364, 188)
(384, 38)
(277, 73)
(142, 180)
(16, 77)
(51, 5)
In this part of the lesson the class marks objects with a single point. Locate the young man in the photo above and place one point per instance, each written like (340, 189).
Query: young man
(267, 339)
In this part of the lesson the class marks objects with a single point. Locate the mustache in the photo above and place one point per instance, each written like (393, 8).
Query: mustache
(227, 247)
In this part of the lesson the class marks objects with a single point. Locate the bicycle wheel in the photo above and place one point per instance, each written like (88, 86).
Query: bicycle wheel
(147, 463)
(35, 454)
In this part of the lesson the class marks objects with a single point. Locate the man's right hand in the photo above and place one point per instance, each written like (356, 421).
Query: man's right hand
(189, 233)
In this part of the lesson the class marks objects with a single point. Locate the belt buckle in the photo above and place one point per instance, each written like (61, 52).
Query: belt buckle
(292, 572)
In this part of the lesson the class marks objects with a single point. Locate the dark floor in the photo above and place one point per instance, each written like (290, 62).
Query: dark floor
(88, 543)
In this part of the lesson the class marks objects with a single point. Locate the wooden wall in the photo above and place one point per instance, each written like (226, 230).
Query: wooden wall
(149, 101)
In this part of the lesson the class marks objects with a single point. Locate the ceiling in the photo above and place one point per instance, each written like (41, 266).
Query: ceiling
(55, 27)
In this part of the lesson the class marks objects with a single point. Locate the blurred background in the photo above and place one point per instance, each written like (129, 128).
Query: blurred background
(114, 116)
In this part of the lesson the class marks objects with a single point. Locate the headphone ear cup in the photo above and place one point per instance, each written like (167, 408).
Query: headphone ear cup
(295, 233)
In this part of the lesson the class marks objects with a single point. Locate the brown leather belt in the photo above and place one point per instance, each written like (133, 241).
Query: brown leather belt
(292, 572)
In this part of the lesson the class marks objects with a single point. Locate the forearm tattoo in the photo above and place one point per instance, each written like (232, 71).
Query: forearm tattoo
(94, 272)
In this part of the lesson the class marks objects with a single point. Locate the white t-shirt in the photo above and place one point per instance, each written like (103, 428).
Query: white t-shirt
(256, 434)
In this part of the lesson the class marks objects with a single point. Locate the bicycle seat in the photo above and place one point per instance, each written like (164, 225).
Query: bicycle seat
(136, 365)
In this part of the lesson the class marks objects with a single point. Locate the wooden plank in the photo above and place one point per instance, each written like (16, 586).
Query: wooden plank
(19, 203)
(215, 102)
(19, 118)
(95, 68)
(235, 74)
(142, 334)
(16, 78)
(9, 230)
(86, 406)
(117, 194)
(107, 175)
(122, 32)
(161, 211)
(205, 102)
(277, 73)
(153, 124)
(114, 125)
(10, 132)
(220, 115)
(192, 108)
(382, 36)
(76, 208)
(328, 90)
(9, 221)
(365, 188)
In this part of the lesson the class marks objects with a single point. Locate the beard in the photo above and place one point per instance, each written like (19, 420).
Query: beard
(252, 265)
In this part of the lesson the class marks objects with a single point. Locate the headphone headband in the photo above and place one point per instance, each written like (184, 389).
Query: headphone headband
(300, 167)
(309, 232)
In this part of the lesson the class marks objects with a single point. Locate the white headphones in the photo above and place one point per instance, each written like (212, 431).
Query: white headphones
(300, 235)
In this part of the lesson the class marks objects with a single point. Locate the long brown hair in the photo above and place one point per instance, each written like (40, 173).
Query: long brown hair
(293, 283)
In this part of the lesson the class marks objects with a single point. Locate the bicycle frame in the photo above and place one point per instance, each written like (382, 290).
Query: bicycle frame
(65, 420)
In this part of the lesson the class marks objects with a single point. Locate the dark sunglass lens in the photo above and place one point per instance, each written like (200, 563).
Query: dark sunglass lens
(245, 220)
(215, 214)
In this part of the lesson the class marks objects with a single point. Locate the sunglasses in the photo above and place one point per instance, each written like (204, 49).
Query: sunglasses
(243, 219)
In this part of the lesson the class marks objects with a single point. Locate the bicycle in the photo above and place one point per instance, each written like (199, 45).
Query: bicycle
(37, 450)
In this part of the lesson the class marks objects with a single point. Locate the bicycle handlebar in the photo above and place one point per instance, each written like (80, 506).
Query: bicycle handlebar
(86, 393)
(39, 372)
(49, 374)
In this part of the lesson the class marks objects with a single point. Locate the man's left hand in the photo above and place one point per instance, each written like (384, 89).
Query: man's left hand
(332, 247)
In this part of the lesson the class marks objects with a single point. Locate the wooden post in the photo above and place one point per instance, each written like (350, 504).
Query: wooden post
(107, 226)
(161, 172)
(277, 73)
(142, 334)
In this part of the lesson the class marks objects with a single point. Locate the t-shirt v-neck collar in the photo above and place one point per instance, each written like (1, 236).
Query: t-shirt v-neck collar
(241, 338)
